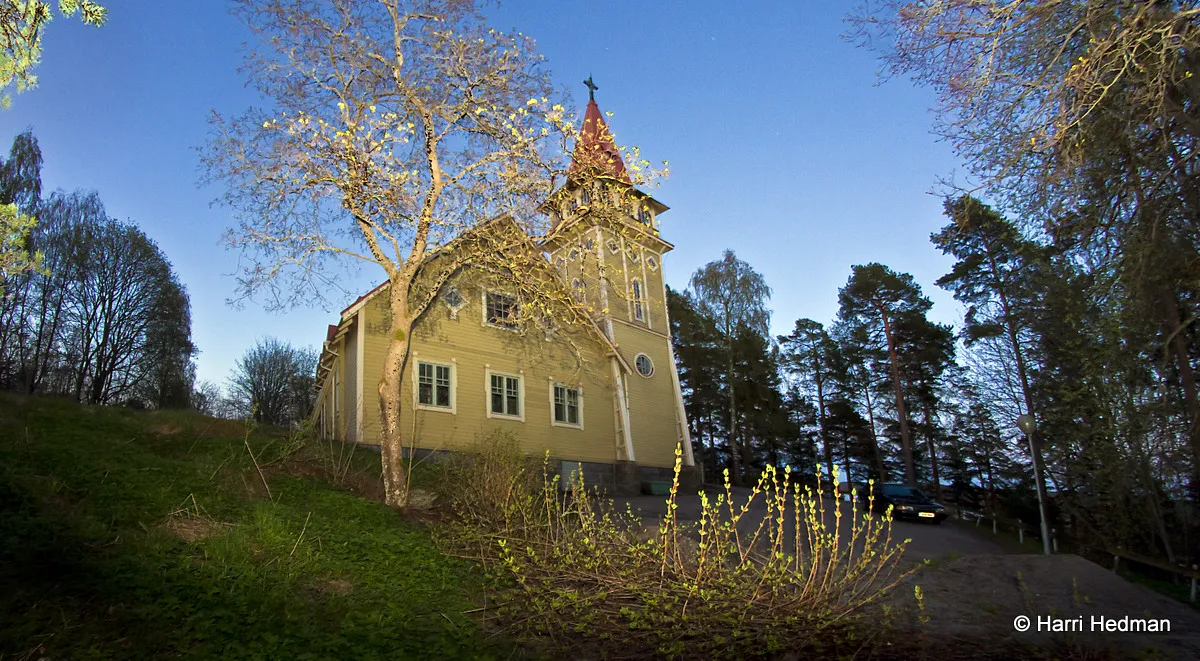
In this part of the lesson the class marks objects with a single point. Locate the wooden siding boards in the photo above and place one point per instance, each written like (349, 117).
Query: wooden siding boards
(349, 403)
(473, 348)
(651, 399)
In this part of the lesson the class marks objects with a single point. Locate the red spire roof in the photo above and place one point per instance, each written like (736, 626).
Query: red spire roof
(596, 152)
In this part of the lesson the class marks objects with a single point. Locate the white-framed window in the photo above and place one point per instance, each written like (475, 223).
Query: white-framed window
(613, 246)
(506, 396)
(573, 254)
(435, 386)
(500, 310)
(633, 256)
(589, 244)
(644, 365)
(639, 308)
(652, 262)
(566, 406)
(643, 216)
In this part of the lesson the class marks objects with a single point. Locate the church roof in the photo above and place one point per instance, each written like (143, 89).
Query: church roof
(595, 151)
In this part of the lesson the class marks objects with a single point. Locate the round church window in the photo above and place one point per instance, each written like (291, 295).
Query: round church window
(644, 365)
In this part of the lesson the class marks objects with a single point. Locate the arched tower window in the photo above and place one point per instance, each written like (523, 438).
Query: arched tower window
(639, 308)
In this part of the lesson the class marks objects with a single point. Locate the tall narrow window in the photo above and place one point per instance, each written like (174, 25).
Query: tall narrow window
(643, 216)
(500, 310)
(585, 196)
(566, 406)
(434, 383)
(639, 309)
(505, 395)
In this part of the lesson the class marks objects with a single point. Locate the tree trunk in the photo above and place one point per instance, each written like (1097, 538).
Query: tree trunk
(933, 458)
(883, 476)
(821, 421)
(1187, 378)
(395, 479)
(735, 469)
(910, 469)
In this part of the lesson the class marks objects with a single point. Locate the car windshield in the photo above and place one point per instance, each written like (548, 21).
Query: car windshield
(902, 491)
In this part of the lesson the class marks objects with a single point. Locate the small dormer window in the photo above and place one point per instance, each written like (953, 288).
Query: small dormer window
(643, 216)
(454, 301)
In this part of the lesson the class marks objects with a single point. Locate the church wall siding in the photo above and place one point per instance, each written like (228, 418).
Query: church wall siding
(651, 400)
(350, 388)
(472, 348)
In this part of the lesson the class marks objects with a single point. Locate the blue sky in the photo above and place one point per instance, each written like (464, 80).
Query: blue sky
(783, 146)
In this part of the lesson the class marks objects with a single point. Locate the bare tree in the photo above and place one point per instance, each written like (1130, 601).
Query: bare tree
(265, 380)
(395, 128)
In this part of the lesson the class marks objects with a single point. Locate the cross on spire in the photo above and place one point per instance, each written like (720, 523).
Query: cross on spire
(591, 88)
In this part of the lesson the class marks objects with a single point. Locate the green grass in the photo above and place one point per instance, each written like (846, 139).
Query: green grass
(132, 535)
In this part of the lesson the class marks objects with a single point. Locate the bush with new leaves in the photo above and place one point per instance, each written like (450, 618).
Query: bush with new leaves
(585, 579)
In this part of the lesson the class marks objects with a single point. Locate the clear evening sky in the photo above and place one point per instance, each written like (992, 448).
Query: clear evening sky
(782, 145)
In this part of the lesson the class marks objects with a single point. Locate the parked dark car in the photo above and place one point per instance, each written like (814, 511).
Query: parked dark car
(907, 502)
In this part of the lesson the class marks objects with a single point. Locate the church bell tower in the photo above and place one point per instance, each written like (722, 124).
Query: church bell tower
(606, 245)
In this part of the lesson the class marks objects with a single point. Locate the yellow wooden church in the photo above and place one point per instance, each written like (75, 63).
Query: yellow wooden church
(618, 420)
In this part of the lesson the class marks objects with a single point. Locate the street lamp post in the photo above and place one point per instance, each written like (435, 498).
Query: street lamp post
(1028, 426)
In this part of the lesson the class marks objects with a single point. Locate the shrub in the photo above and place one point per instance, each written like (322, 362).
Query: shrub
(480, 485)
(587, 579)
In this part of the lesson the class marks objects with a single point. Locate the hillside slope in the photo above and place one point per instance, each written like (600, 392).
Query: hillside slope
(130, 534)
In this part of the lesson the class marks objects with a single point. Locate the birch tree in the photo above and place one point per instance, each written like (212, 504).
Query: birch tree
(732, 294)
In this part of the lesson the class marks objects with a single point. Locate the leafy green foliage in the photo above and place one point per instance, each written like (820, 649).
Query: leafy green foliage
(586, 580)
(21, 25)
(140, 535)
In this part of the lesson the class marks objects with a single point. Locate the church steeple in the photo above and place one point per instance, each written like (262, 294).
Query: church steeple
(595, 152)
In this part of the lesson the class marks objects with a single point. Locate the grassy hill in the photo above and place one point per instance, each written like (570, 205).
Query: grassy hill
(128, 534)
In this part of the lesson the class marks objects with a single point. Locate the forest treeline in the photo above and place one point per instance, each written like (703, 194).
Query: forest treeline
(98, 314)
(881, 392)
